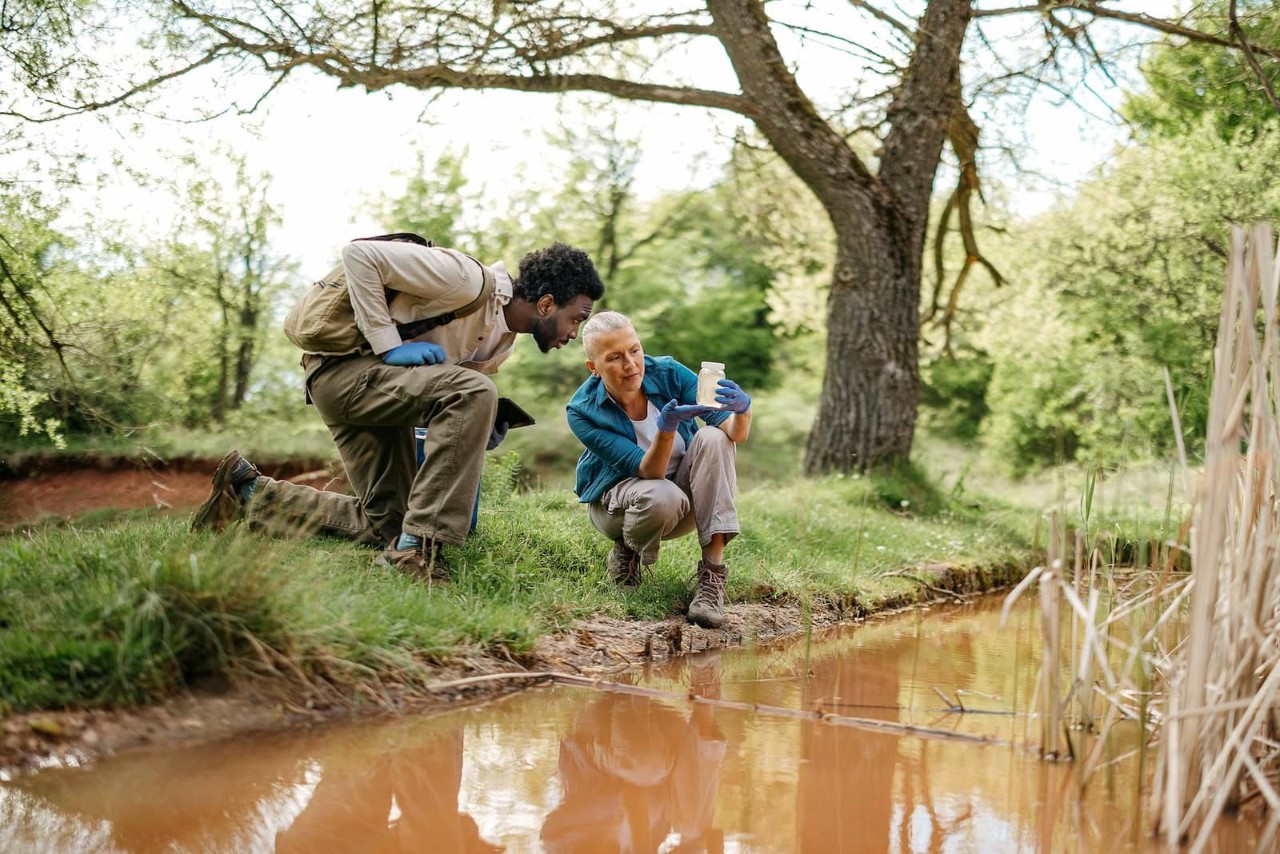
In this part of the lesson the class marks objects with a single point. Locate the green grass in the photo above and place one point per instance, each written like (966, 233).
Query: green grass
(129, 609)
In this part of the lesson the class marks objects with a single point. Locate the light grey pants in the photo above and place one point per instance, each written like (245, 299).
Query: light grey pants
(371, 409)
(701, 495)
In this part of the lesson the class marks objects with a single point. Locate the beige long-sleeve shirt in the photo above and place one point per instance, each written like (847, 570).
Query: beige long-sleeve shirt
(390, 283)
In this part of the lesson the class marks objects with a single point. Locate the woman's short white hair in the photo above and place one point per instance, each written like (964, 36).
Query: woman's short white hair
(602, 324)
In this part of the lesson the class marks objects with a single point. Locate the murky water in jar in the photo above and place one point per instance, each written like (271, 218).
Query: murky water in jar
(562, 769)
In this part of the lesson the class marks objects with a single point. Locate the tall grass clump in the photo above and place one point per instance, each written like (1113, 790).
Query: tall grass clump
(1190, 659)
(1105, 628)
(1219, 748)
(97, 618)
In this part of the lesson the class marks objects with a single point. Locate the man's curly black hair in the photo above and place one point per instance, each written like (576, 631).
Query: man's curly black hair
(559, 270)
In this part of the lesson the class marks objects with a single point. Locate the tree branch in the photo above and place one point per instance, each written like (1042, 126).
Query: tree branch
(881, 15)
(133, 91)
(1151, 22)
(444, 77)
(1249, 58)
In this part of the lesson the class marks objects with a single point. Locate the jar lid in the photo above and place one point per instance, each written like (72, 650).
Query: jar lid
(714, 366)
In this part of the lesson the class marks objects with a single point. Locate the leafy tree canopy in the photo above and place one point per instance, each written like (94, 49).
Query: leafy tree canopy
(1117, 286)
(1189, 83)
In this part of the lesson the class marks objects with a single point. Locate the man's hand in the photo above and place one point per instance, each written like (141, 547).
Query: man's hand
(731, 397)
(497, 435)
(672, 414)
(414, 353)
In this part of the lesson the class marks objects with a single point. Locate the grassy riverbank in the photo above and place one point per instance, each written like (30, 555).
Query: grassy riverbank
(130, 609)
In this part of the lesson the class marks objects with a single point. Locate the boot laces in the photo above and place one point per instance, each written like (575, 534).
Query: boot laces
(710, 583)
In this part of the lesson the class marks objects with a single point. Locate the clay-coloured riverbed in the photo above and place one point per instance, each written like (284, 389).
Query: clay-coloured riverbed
(574, 769)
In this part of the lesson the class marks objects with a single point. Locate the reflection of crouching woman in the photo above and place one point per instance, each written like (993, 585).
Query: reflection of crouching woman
(648, 472)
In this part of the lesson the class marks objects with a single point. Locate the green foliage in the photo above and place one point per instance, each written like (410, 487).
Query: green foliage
(1195, 87)
(720, 324)
(789, 233)
(953, 392)
(1119, 285)
(432, 203)
(101, 333)
(1041, 412)
(79, 334)
(218, 261)
(28, 244)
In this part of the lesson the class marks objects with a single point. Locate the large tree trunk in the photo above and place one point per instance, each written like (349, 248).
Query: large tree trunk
(867, 411)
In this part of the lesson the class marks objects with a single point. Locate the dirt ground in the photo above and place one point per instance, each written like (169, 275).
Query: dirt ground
(40, 491)
(598, 648)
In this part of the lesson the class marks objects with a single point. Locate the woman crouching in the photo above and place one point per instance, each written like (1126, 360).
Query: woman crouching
(649, 473)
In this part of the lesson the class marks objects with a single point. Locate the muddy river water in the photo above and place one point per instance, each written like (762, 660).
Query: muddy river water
(563, 768)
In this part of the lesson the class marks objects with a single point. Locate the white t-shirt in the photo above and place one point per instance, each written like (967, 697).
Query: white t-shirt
(647, 429)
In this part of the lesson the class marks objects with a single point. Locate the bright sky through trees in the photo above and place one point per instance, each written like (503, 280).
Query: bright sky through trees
(332, 152)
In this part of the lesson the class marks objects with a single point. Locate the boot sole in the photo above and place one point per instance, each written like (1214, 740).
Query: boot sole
(705, 622)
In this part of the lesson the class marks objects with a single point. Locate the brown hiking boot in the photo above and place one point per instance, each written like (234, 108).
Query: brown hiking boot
(423, 562)
(707, 607)
(223, 506)
(623, 564)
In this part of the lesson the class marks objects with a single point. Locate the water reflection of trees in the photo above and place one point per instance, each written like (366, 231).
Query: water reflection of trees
(581, 770)
(366, 788)
(845, 788)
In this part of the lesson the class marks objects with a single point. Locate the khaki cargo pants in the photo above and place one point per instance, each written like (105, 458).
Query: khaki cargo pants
(699, 496)
(371, 409)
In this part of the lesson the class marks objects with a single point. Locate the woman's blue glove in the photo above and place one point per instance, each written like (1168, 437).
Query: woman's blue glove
(414, 353)
(498, 433)
(731, 397)
(672, 414)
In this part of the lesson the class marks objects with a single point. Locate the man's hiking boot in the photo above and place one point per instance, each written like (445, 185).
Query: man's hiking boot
(223, 506)
(707, 607)
(423, 562)
(623, 564)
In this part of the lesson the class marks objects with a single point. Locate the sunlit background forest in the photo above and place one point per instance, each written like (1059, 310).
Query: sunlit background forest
(166, 340)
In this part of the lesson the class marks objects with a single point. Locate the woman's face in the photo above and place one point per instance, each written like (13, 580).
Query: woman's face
(619, 361)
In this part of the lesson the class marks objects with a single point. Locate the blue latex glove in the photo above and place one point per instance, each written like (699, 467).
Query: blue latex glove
(414, 353)
(731, 397)
(672, 414)
(497, 435)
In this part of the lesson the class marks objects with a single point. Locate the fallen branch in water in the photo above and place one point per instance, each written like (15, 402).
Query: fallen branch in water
(871, 724)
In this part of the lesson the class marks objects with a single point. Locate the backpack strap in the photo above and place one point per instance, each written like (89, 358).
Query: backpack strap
(400, 237)
(417, 327)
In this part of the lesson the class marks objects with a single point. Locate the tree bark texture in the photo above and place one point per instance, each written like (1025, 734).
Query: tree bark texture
(867, 409)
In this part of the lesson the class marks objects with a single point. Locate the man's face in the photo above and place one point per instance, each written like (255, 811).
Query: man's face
(558, 325)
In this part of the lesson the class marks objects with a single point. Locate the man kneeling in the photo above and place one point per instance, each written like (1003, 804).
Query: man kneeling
(649, 473)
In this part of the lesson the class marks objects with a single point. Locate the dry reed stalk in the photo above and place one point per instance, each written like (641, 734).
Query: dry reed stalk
(1217, 749)
(1048, 698)
(1082, 667)
(1050, 687)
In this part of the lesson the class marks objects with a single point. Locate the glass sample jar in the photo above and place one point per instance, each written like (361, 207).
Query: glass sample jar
(711, 373)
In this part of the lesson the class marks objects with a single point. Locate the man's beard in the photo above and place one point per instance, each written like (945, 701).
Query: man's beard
(543, 332)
